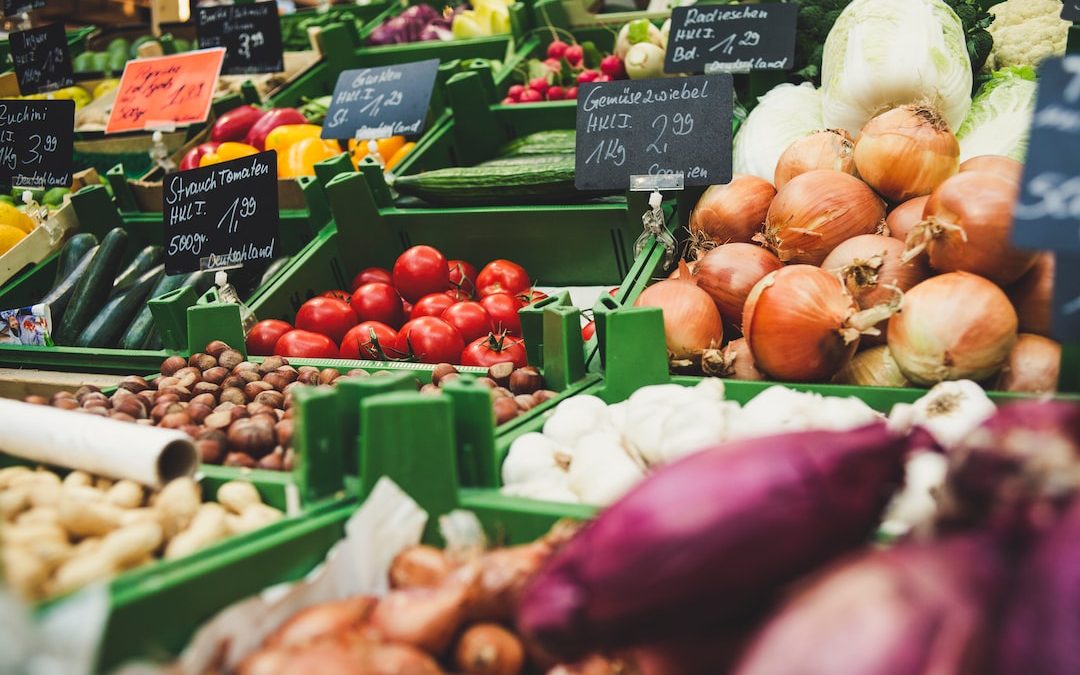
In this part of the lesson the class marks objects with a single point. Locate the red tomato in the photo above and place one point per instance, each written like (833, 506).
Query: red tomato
(430, 340)
(419, 271)
(304, 344)
(470, 318)
(337, 295)
(333, 318)
(431, 305)
(503, 310)
(406, 307)
(371, 275)
(378, 301)
(588, 331)
(510, 276)
(487, 351)
(264, 335)
(458, 295)
(370, 340)
(463, 277)
(530, 296)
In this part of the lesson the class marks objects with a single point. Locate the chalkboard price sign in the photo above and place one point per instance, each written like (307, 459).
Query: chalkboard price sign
(42, 61)
(731, 38)
(250, 33)
(654, 127)
(1067, 297)
(380, 102)
(223, 215)
(1070, 11)
(13, 7)
(36, 140)
(1047, 215)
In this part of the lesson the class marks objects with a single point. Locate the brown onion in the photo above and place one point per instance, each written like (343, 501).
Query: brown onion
(832, 149)
(903, 219)
(816, 211)
(874, 367)
(802, 325)
(691, 321)
(728, 272)
(734, 361)
(1033, 366)
(1006, 167)
(952, 327)
(733, 212)
(906, 152)
(1033, 294)
(966, 228)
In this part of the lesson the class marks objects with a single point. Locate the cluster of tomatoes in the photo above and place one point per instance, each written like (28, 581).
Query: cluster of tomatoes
(554, 87)
(426, 309)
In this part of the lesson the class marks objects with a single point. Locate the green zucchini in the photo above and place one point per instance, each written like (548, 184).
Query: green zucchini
(143, 332)
(146, 259)
(548, 180)
(58, 298)
(109, 323)
(71, 253)
(541, 143)
(93, 288)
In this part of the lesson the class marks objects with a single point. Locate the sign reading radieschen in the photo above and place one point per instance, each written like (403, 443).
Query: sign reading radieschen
(1047, 216)
(654, 127)
(731, 38)
(13, 7)
(222, 215)
(1070, 11)
(379, 102)
(36, 140)
(41, 58)
(250, 33)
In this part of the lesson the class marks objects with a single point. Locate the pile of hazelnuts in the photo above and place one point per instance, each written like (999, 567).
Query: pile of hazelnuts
(513, 390)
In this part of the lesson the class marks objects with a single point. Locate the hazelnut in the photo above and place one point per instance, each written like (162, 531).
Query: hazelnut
(215, 349)
(218, 419)
(192, 430)
(259, 408)
(290, 386)
(505, 409)
(122, 417)
(204, 389)
(133, 406)
(253, 389)
(487, 382)
(167, 381)
(284, 432)
(233, 395)
(242, 366)
(328, 375)
(440, 371)
(249, 376)
(36, 400)
(268, 419)
(224, 407)
(449, 377)
(290, 460)
(251, 437)
(274, 399)
(430, 389)
(208, 400)
(276, 379)
(238, 413)
(525, 401)
(358, 372)
(148, 396)
(500, 373)
(307, 369)
(211, 446)
(66, 404)
(166, 397)
(175, 420)
(215, 375)
(95, 399)
(230, 358)
(96, 410)
(134, 384)
(308, 376)
(289, 373)
(202, 361)
(275, 461)
(233, 381)
(172, 364)
(198, 412)
(500, 392)
(182, 393)
(239, 459)
(187, 377)
(61, 394)
(542, 395)
(526, 380)
(271, 363)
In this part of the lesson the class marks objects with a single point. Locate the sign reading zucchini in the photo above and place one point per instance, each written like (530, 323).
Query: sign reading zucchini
(36, 140)
(372, 103)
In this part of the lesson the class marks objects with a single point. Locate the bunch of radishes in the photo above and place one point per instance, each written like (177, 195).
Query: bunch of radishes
(553, 85)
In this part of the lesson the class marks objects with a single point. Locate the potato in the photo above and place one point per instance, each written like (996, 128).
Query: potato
(89, 519)
(178, 503)
(126, 494)
(142, 515)
(35, 478)
(206, 528)
(40, 514)
(238, 495)
(14, 501)
(253, 518)
(46, 495)
(78, 479)
(7, 475)
(20, 535)
(80, 571)
(130, 544)
(26, 573)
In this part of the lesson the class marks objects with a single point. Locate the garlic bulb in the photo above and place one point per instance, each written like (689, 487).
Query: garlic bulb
(949, 411)
(602, 470)
(534, 457)
(914, 507)
(575, 417)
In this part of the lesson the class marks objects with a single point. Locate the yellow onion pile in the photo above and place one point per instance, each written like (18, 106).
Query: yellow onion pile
(691, 321)
(906, 152)
(831, 149)
(733, 212)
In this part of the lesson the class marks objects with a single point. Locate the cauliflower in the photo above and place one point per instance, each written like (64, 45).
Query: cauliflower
(1026, 32)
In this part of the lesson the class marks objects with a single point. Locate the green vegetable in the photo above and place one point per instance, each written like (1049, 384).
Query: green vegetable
(133, 52)
(107, 325)
(541, 143)
(54, 196)
(142, 333)
(975, 20)
(60, 296)
(100, 62)
(83, 62)
(1000, 116)
(72, 252)
(93, 287)
(144, 260)
(543, 180)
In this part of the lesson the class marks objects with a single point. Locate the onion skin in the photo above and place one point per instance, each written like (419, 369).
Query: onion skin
(728, 272)
(955, 326)
(322, 620)
(906, 152)
(967, 226)
(903, 219)
(816, 211)
(732, 212)
(489, 649)
(1006, 167)
(911, 610)
(618, 582)
(794, 322)
(735, 361)
(832, 149)
(1032, 296)
(419, 566)
(1033, 366)
(874, 367)
(692, 323)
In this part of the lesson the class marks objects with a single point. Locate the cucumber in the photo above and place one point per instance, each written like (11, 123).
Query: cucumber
(72, 252)
(548, 180)
(147, 258)
(109, 323)
(518, 160)
(143, 332)
(93, 288)
(541, 143)
(58, 298)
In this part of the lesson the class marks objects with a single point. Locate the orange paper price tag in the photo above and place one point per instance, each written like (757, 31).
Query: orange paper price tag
(166, 91)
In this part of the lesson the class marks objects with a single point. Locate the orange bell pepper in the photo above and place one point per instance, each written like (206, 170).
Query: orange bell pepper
(299, 158)
(285, 135)
(401, 153)
(386, 147)
(226, 151)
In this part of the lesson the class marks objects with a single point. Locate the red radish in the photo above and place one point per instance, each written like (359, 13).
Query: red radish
(571, 93)
(612, 66)
(515, 91)
(508, 101)
(602, 78)
(556, 49)
(556, 93)
(574, 54)
(531, 96)
(587, 76)
(554, 65)
(539, 84)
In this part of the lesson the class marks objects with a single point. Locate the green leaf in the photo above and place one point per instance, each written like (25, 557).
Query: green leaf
(638, 32)
(566, 73)
(593, 56)
(537, 69)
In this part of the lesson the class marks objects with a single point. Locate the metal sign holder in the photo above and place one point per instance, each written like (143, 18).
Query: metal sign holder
(652, 220)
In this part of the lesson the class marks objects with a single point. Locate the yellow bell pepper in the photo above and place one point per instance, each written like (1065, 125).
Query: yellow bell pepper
(226, 151)
(401, 153)
(73, 93)
(299, 158)
(285, 135)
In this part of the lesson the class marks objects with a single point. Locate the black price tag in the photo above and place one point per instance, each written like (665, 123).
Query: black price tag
(223, 215)
(731, 38)
(1066, 326)
(1070, 10)
(1047, 216)
(380, 102)
(250, 33)
(42, 61)
(13, 7)
(36, 141)
(654, 127)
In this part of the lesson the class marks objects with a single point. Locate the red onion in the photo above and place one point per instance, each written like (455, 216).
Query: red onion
(832, 149)
(691, 321)
(1032, 367)
(1032, 296)
(728, 272)
(967, 226)
(903, 219)
(955, 326)
(802, 326)
(733, 212)
(906, 152)
(677, 554)
(1006, 167)
(816, 211)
